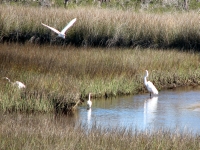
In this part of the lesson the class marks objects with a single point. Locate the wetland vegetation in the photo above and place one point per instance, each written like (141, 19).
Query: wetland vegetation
(34, 132)
(55, 73)
(114, 49)
(105, 53)
(101, 27)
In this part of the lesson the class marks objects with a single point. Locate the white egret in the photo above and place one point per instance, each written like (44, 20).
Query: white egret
(19, 84)
(89, 102)
(62, 33)
(149, 85)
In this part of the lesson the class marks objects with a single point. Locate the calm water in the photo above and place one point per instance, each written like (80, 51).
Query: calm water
(171, 109)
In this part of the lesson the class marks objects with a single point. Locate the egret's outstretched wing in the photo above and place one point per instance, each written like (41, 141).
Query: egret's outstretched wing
(53, 29)
(68, 25)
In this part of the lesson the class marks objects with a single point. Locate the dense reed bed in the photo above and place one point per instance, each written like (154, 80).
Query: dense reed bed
(65, 74)
(44, 132)
(101, 27)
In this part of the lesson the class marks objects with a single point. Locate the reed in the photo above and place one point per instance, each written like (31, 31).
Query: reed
(101, 27)
(55, 133)
(65, 74)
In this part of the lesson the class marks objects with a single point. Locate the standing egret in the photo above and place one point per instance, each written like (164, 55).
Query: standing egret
(62, 33)
(149, 85)
(89, 102)
(19, 84)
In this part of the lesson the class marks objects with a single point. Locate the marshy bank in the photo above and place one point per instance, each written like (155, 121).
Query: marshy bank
(58, 75)
(43, 131)
(101, 27)
(66, 74)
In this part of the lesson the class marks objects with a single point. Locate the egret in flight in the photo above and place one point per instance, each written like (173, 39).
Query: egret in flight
(89, 102)
(149, 85)
(62, 33)
(19, 84)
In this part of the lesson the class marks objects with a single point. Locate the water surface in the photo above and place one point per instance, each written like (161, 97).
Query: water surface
(171, 109)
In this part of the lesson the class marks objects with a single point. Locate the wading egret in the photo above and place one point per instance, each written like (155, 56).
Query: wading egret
(62, 33)
(149, 85)
(19, 84)
(89, 102)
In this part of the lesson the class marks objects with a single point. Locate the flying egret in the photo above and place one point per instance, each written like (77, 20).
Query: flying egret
(19, 84)
(149, 85)
(89, 102)
(62, 33)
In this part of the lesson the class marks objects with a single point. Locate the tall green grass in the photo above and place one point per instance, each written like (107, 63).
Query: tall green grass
(65, 74)
(101, 27)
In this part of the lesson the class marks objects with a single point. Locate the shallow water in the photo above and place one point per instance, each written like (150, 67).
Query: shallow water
(171, 109)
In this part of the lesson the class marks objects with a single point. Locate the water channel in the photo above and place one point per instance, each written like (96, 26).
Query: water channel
(171, 109)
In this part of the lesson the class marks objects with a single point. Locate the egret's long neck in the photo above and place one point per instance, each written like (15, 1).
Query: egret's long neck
(8, 79)
(89, 97)
(145, 78)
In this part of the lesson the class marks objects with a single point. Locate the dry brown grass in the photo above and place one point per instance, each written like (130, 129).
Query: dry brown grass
(68, 73)
(102, 27)
(19, 131)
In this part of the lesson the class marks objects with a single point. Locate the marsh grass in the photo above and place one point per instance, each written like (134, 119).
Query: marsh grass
(56, 74)
(101, 27)
(20, 131)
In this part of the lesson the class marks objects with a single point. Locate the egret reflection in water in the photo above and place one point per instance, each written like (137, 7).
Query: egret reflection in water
(150, 109)
(169, 110)
(89, 113)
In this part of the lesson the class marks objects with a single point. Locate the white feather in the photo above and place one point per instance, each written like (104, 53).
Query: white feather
(89, 102)
(62, 33)
(149, 85)
(68, 26)
(19, 84)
